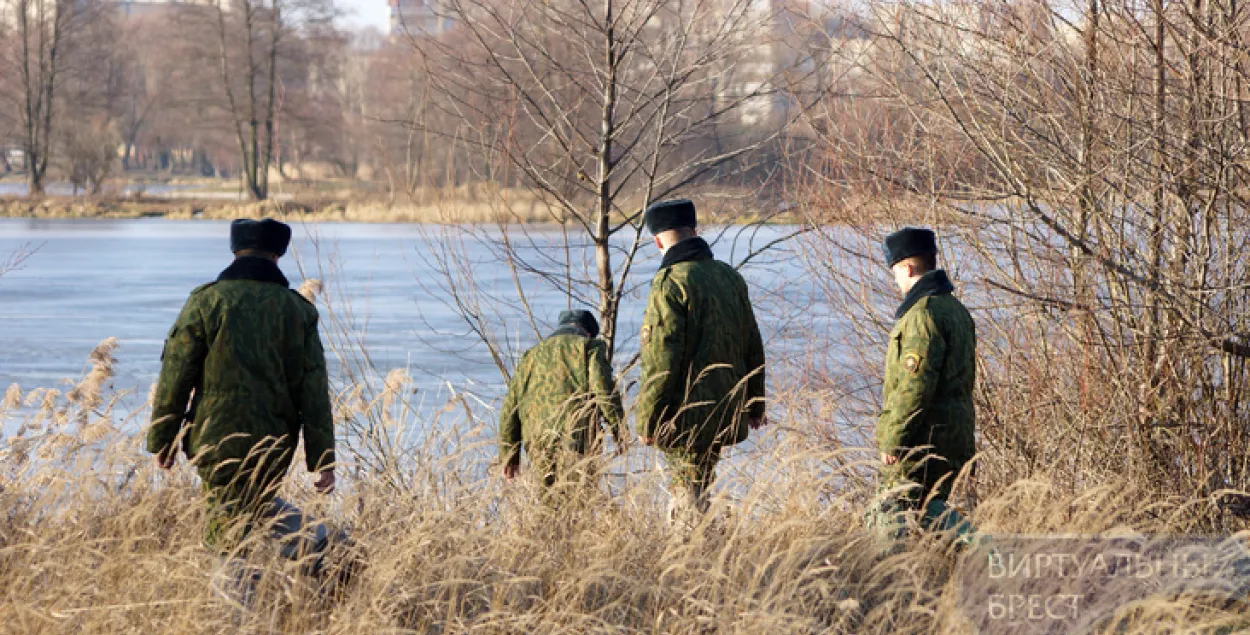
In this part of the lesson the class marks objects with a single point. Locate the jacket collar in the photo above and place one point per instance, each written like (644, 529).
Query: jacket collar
(933, 283)
(258, 269)
(690, 249)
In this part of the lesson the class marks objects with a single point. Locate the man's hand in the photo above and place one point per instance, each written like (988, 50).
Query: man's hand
(325, 482)
(165, 460)
(648, 440)
(758, 422)
(888, 459)
(511, 470)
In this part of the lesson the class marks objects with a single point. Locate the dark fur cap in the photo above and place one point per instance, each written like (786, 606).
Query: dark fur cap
(265, 235)
(666, 215)
(908, 242)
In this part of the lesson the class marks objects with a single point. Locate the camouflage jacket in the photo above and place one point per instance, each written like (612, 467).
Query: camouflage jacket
(557, 394)
(702, 354)
(930, 370)
(247, 347)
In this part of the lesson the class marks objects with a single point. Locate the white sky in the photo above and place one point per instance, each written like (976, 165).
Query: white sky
(361, 13)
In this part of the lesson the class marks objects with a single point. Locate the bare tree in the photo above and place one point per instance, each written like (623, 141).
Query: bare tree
(37, 56)
(415, 159)
(596, 109)
(252, 45)
(1091, 161)
(146, 65)
(89, 152)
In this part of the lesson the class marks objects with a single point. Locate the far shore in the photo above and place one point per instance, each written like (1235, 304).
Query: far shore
(519, 209)
(344, 201)
(122, 208)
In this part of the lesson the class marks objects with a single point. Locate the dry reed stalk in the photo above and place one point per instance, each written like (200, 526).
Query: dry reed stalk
(96, 541)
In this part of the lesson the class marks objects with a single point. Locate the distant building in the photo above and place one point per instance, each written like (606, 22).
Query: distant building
(418, 18)
(12, 158)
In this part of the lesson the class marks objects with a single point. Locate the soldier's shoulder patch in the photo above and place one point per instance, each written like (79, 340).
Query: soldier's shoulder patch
(646, 334)
(911, 362)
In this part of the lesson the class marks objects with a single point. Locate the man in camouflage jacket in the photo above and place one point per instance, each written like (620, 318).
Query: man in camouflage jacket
(926, 429)
(558, 393)
(244, 370)
(702, 357)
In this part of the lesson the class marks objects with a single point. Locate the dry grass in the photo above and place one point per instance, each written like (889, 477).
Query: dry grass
(94, 539)
(477, 204)
(450, 211)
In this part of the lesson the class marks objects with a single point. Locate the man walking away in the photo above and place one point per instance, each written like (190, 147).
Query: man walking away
(702, 358)
(559, 392)
(243, 375)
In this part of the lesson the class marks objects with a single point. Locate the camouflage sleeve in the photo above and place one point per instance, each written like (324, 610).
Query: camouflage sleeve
(912, 378)
(755, 366)
(182, 362)
(316, 413)
(604, 388)
(510, 417)
(663, 349)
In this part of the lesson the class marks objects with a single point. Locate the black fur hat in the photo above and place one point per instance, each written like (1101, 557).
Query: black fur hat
(265, 235)
(908, 242)
(581, 318)
(667, 215)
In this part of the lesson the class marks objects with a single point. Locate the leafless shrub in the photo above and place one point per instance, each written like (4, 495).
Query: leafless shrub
(95, 538)
(1084, 164)
(89, 151)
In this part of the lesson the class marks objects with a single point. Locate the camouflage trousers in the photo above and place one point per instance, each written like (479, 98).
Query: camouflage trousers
(233, 512)
(691, 474)
(564, 474)
(900, 503)
(297, 537)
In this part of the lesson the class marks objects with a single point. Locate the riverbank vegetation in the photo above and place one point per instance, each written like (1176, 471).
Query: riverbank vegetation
(456, 206)
(95, 539)
(450, 211)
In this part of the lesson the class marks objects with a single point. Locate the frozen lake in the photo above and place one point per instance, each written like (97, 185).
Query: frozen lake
(91, 280)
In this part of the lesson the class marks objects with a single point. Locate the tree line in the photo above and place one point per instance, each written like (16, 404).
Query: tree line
(255, 89)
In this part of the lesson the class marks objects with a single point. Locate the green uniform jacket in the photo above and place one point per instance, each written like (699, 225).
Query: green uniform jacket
(702, 354)
(930, 370)
(557, 394)
(248, 347)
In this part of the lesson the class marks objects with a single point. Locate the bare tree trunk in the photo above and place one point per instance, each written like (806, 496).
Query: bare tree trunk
(603, 219)
(1150, 397)
(247, 158)
(253, 124)
(271, 106)
(40, 65)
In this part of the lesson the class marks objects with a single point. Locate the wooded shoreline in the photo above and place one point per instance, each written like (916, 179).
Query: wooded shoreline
(449, 211)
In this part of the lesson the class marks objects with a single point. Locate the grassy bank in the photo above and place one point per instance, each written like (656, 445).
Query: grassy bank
(462, 205)
(446, 212)
(116, 550)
